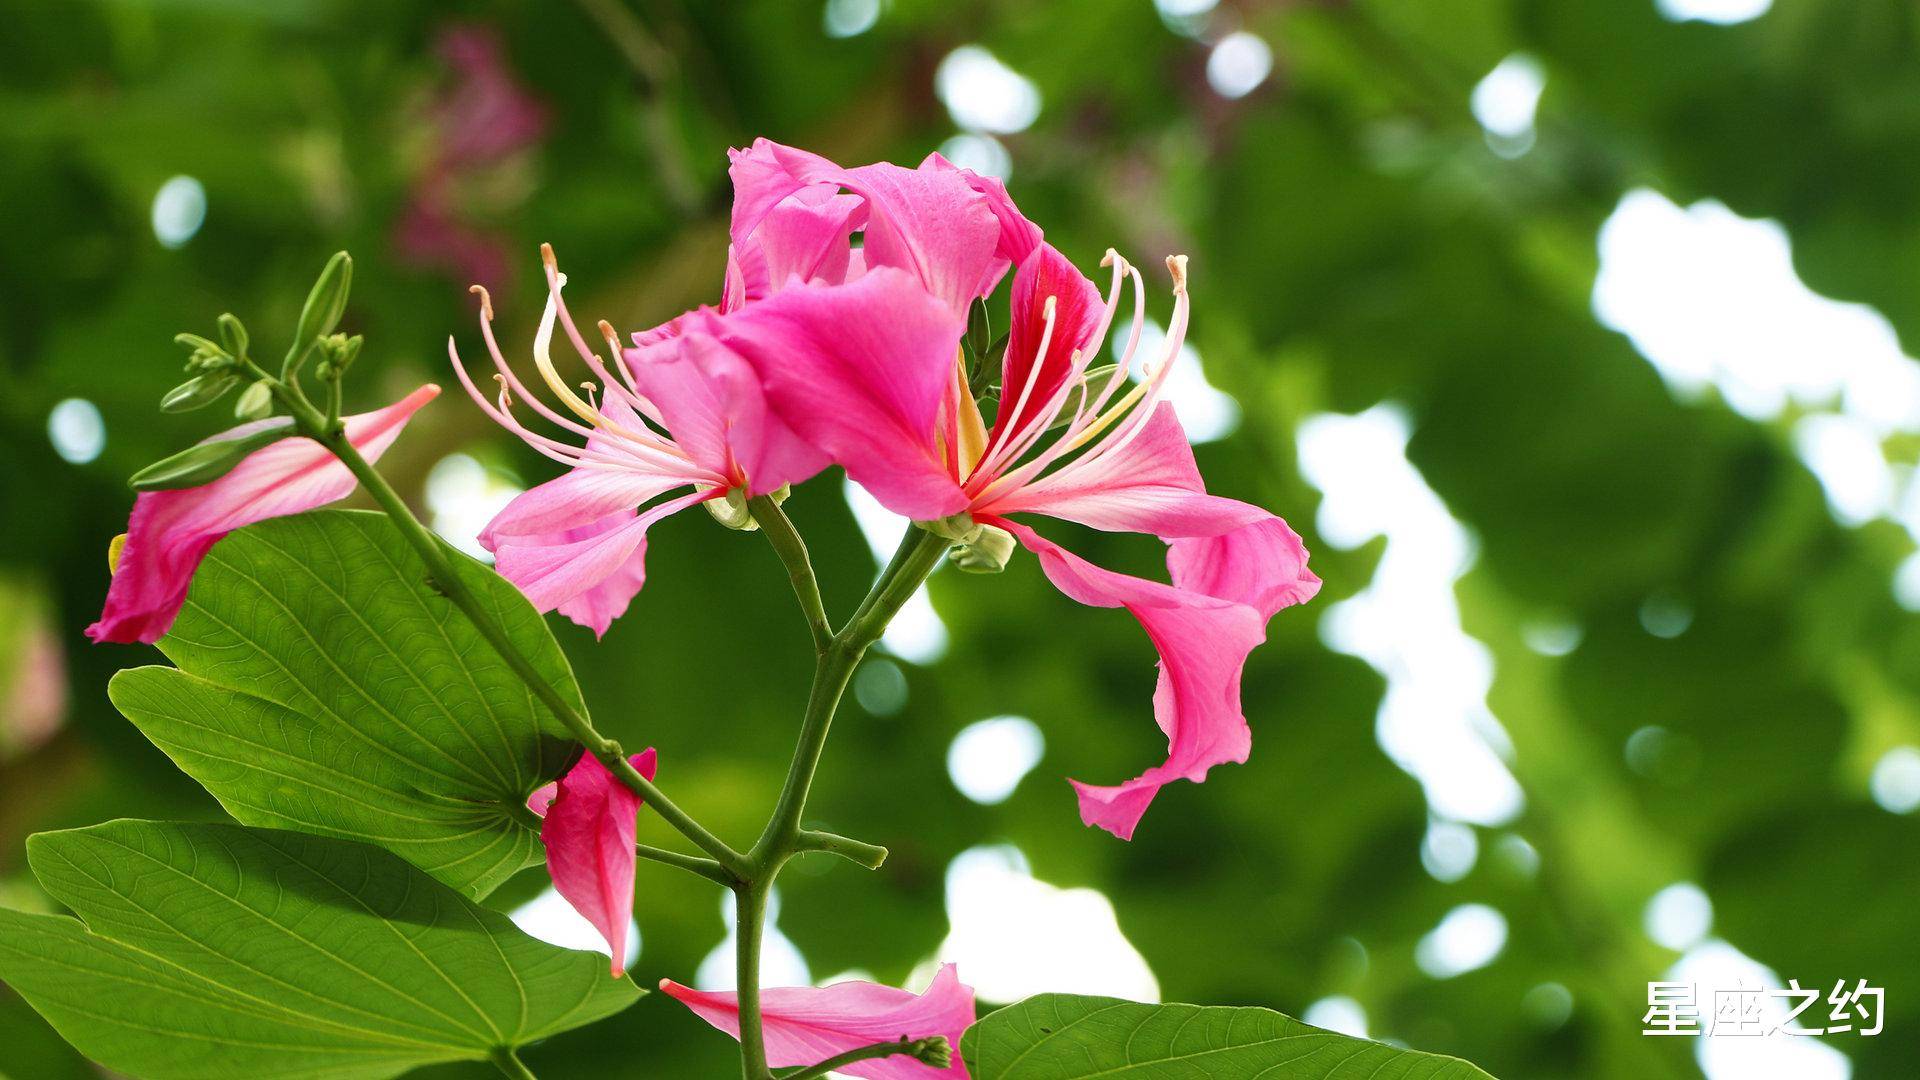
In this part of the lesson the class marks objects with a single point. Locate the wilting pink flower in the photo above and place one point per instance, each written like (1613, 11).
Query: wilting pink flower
(869, 371)
(171, 531)
(588, 829)
(804, 1025)
(694, 422)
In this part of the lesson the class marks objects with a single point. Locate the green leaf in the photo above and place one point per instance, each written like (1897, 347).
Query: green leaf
(1064, 1037)
(220, 952)
(323, 685)
(205, 462)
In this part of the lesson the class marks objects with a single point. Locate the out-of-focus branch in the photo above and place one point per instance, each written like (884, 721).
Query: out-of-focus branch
(654, 73)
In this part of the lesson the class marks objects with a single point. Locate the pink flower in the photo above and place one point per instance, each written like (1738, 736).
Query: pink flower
(692, 423)
(868, 371)
(171, 531)
(804, 1025)
(588, 829)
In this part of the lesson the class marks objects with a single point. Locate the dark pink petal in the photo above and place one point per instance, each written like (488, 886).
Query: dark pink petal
(804, 1025)
(1150, 485)
(1077, 309)
(1263, 565)
(930, 221)
(806, 237)
(171, 531)
(1018, 236)
(713, 404)
(588, 831)
(554, 570)
(1203, 642)
(860, 371)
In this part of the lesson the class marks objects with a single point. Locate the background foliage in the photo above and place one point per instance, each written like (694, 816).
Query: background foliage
(1739, 667)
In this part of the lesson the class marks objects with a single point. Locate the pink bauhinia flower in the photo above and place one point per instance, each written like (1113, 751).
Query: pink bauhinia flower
(694, 423)
(588, 823)
(171, 531)
(804, 1025)
(869, 372)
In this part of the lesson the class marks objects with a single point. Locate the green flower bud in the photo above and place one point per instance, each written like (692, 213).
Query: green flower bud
(325, 304)
(203, 463)
(958, 527)
(256, 402)
(203, 389)
(986, 553)
(233, 335)
(934, 1050)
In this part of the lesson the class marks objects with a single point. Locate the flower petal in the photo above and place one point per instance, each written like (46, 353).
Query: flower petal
(804, 1025)
(554, 570)
(712, 402)
(171, 531)
(588, 831)
(930, 221)
(806, 236)
(1077, 309)
(1262, 565)
(1203, 642)
(860, 371)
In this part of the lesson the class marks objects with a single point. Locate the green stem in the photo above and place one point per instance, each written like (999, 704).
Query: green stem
(793, 553)
(509, 1063)
(918, 554)
(914, 1047)
(441, 569)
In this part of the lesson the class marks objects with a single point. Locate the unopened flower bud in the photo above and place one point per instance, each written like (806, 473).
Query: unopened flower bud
(233, 335)
(935, 1051)
(732, 511)
(203, 389)
(986, 553)
(958, 527)
(256, 402)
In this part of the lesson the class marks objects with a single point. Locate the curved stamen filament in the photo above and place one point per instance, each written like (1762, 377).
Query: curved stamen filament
(1050, 312)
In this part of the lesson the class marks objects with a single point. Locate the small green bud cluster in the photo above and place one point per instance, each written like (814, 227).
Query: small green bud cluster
(978, 548)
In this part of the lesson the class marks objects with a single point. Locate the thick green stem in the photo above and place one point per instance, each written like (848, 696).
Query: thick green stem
(913, 1047)
(441, 569)
(918, 554)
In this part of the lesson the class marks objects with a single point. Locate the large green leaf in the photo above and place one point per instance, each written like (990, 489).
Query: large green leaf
(206, 952)
(324, 686)
(1065, 1037)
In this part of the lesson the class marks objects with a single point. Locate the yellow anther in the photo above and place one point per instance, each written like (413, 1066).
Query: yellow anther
(486, 301)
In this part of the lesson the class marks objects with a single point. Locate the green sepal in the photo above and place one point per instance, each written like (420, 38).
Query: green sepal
(256, 401)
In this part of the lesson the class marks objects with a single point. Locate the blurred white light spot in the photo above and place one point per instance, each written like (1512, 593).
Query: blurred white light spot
(1469, 937)
(984, 94)
(76, 430)
(880, 687)
(849, 18)
(1844, 453)
(983, 154)
(1679, 916)
(179, 209)
(1187, 17)
(780, 961)
(551, 919)
(1238, 63)
(463, 496)
(1339, 1013)
(916, 634)
(1206, 412)
(989, 758)
(1505, 102)
(1552, 637)
(1449, 850)
(1548, 1005)
(1896, 780)
(1665, 616)
(1714, 966)
(1433, 720)
(1713, 11)
(1016, 936)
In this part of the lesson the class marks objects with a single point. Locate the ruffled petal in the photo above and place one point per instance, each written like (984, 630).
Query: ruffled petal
(555, 570)
(931, 221)
(712, 402)
(806, 237)
(1262, 565)
(860, 371)
(582, 497)
(804, 1025)
(1150, 485)
(590, 821)
(1077, 309)
(1018, 236)
(171, 531)
(1203, 642)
